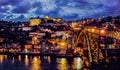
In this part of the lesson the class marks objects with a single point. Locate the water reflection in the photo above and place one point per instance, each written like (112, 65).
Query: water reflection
(48, 59)
(1, 58)
(19, 57)
(77, 63)
(36, 64)
(62, 64)
(13, 59)
(39, 63)
(26, 60)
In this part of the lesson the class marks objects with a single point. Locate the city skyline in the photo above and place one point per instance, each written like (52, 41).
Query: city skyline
(59, 34)
(21, 10)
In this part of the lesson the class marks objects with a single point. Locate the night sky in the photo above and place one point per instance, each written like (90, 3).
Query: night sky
(21, 10)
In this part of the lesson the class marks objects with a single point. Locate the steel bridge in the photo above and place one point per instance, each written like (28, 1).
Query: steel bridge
(88, 38)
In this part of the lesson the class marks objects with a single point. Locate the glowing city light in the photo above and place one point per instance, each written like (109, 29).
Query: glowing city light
(102, 31)
(93, 30)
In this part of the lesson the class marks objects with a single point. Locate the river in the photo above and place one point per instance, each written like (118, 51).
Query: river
(39, 63)
(25, 62)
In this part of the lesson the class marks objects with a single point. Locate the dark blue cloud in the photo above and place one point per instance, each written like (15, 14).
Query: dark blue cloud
(9, 16)
(4, 9)
(20, 18)
(70, 17)
(55, 13)
(36, 4)
(9, 2)
(67, 9)
(38, 7)
(61, 2)
(52, 13)
(1, 16)
(21, 9)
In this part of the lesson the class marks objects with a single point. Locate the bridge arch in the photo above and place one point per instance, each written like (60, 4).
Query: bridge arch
(89, 43)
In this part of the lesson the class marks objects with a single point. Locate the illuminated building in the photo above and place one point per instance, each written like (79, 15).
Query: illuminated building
(35, 40)
(28, 47)
(39, 35)
(34, 21)
(57, 19)
(47, 17)
(26, 28)
(37, 21)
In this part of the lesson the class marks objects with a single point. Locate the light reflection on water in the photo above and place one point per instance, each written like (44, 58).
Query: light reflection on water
(36, 64)
(13, 60)
(62, 64)
(19, 57)
(26, 60)
(77, 63)
(1, 58)
(39, 63)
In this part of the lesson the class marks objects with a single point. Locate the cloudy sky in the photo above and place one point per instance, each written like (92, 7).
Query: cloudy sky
(21, 10)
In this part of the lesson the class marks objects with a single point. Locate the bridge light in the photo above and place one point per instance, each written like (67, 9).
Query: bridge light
(63, 45)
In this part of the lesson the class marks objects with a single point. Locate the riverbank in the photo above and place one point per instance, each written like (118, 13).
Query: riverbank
(40, 54)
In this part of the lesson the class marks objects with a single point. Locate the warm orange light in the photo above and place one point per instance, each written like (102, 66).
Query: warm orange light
(47, 17)
(26, 60)
(77, 63)
(62, 44)
(102, 31)
(93, 30)
(19, 57)
(49, 59)
(34, 21)
(1, 58)
(36, 64)
(63, 64)
(35, 40)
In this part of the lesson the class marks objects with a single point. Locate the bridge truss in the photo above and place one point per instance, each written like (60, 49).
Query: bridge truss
(88, 41)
